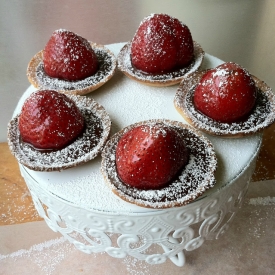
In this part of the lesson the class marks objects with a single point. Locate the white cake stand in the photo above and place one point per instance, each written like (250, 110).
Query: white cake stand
(78, 204)
(175, 229)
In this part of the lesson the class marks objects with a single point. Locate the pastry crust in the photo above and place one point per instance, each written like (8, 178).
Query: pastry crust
(85, 148)
(194, 179)
(40, 80)
(163, 80)
(262, 116)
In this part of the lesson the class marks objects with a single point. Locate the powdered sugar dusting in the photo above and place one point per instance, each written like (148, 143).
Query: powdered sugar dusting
(125, 65)
(195, 178)
(83, 149)
(47, 256)
(128, 102)
(106, 67)
(262, 201)
(90, 183)
(258, 119)
(262, 115)
(160, 44)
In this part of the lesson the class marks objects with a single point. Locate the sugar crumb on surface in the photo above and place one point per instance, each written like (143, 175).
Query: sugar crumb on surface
(262, 201)
(47, 256)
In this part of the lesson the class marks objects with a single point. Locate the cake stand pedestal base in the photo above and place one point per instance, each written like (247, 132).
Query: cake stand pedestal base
(153, 236)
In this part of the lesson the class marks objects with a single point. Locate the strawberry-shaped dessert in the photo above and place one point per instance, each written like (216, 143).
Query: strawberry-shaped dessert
(158, 163)
(161, 44)
(69, 56)
(226, 94)
(50, 120)
(150, 156)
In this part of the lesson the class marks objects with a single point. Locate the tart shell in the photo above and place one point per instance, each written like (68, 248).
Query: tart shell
(262, 116)
(85, 148)
(194, 179)
(158, 80)
(40, 80)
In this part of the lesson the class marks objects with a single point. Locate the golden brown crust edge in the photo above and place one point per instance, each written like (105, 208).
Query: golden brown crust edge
(191, 197)
(152, 84)
(122, 66)
(193, 79)
(54, 164)
(31, 69)
(189, 120)
(37, 58)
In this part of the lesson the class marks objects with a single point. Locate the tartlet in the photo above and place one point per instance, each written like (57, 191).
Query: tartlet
(262, 115)
(159, 80)
(40, 80)
(194, 179)
(85, 148)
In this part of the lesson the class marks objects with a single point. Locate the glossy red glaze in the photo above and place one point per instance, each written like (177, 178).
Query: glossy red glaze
(69, 56)
(226, 94)
(161, 44)
(50, 120)
(149, 156)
